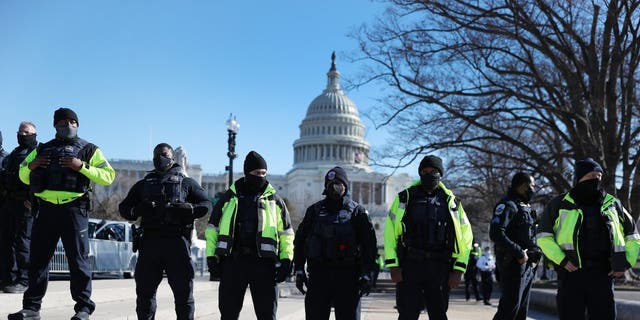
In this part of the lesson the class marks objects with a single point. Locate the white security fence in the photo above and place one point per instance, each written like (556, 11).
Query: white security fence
(113, 257)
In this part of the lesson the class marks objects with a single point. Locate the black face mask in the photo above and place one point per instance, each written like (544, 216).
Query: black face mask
(588, 191)
(66, 132)
(162, 163)
(430, 180)
(529, 194)
(254, 183)
(27, 141)
(335, 191)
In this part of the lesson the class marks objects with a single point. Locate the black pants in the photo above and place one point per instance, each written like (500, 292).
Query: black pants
(516, 283)
(487, 285)
(157, 255)
(337, 287)
(242, 271)
(16, 222)
(376, 274)
(470, 279)
(424, 284)
(70, 223)
(583, 290)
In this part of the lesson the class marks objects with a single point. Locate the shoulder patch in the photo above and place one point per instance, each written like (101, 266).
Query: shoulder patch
(499, 209)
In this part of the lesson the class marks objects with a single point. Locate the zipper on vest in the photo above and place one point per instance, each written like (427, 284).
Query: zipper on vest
(258, 232)
(576, 240)
(233, 226)
(456, 246)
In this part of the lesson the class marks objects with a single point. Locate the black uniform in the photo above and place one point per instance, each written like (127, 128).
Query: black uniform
(67, 221)
(513, 230)
(4, 263)
(168, 202)
(590, 287)
(471, 275)
(425, 255)
(338, 243)
(244, 266)
(17, 219)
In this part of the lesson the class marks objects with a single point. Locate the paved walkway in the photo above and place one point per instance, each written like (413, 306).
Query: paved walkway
(115, 299)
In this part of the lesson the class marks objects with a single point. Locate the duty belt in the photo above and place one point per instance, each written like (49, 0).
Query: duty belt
(422, 255)
(596, 264)
(80, 202)
(18, 196)
(162, 231)
(315, 265)
(244, 251)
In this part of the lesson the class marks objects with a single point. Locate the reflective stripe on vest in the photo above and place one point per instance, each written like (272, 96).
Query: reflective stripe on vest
(453, 212)
(267, 242)
(565, 226)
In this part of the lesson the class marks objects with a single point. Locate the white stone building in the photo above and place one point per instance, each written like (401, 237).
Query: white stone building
(331, 134)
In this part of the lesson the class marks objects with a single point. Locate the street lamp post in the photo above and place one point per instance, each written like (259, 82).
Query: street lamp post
(232, 128)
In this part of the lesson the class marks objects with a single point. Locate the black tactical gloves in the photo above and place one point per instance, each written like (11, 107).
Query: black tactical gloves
(141, 207)
(213, 263)
(302, 281)
(181, 209)
(283, 271)
(534, 254)
(365, 283)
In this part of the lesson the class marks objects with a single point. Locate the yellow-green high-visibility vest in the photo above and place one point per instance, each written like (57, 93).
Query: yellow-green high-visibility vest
(560, 244)
(273, 239)
(394, 229)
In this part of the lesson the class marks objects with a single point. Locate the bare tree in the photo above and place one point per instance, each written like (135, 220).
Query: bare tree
(529, 84)
(106, 199)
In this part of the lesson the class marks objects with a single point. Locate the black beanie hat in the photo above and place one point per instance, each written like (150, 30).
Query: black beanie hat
(433, 162)
(336, 173)
(585, 166)
(64, 113)
(254, 161)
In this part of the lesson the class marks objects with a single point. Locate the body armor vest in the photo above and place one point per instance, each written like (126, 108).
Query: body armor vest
(16, 190)
(163, 189)
(55, 177)
(247, 221)
(333, 238)
(594, 235)
(428, 223)
(521, 228)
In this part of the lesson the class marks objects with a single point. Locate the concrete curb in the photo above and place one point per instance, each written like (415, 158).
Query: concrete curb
(546, 301)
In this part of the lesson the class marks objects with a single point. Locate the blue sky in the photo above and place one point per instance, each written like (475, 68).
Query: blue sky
(143, 72)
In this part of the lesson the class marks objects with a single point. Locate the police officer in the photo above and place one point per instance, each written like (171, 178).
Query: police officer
(250, 242)
(592, 239)
(168, 202)
(5, 276)
(379, 267)
(427, 240)
(337, 241)
(59, 173)
(3, 153)
(471, 275)
(512, 229)
(486, 264)
(16, 214)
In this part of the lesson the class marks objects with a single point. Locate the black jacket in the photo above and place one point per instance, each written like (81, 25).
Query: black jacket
(195, 195)
(513, 227)
(365, 236)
